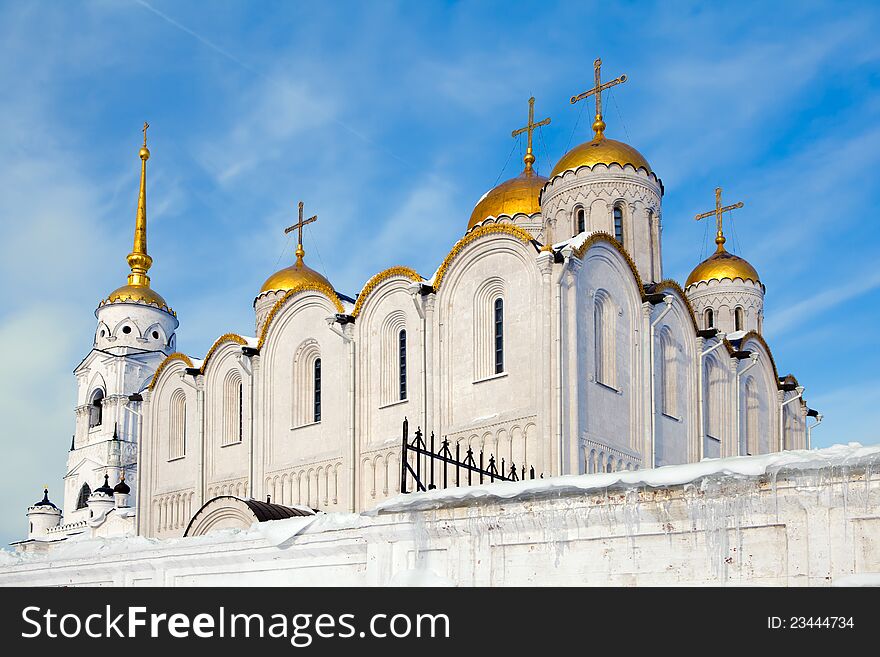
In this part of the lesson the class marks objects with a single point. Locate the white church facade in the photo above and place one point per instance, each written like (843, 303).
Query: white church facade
(548, 336)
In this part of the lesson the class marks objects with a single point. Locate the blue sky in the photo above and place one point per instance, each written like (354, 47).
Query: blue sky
(390, 120)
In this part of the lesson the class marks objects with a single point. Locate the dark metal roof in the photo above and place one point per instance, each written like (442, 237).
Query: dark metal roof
(106, 487)
(267, 511)
(122, 487)
(262, 511)
(45, 501)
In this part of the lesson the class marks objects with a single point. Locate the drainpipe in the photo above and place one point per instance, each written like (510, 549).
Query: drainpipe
(346, 334)
(414, 291)
(136, 398)
(700, 414)
(800, 392)
(200, 420)
(566, 254)
(819, 417)
(753, 357)
(247, 364)
(653, 392)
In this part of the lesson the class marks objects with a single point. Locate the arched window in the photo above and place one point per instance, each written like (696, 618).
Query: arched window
(177, 426)
(603, 326)
(96, 408)
(233, 405)
(306, 402)
(499, 335)
(669, 374)
(738, 319)
(580, 220)
(83, 500)
(618, 223)
(710, 318)
(317, 388)
(401, 363)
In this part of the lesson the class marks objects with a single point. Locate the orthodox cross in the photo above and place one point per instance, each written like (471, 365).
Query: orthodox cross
(298, 226)
(598, 124)
(529, 128)
(146, 125)
(718, 212)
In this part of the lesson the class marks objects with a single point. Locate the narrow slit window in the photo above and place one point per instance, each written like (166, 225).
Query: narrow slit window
(499, 336)
(317, 405)
(581, 220)
(738, 319)
(240, 411)
(401, 345)
(618, 223)
(710, 318)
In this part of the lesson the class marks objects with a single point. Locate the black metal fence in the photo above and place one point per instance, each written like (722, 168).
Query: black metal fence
(429, 468)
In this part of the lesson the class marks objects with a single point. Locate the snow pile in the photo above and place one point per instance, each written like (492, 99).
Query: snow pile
(853, 454)
(274, 532)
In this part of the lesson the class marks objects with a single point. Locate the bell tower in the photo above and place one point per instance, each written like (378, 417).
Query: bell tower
(135, 332)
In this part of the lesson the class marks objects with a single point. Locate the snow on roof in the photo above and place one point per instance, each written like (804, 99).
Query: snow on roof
(576, 241)
(666, 476)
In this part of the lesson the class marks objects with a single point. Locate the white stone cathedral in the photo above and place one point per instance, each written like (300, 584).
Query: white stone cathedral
(548, 336)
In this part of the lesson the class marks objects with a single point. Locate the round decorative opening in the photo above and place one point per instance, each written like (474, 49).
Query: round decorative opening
(155, 335)
(126, 329)
(102, 333)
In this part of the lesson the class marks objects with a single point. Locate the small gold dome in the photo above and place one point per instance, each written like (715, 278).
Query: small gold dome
(720, 265)
(601, 151)
(289, 277)
(137, 294)
(515, 196)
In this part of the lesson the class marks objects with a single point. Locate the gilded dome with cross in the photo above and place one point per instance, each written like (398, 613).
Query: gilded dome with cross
(721, 264)
(600, 149)
(298, 273)
(518, 195)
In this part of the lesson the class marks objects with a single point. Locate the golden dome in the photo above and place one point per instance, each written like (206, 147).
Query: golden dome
(290, 277)
(720, 265)
(137, 294)
(601, 150)
(515, 196)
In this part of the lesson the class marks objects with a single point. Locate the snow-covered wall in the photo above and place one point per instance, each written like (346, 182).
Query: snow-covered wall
(795, 518)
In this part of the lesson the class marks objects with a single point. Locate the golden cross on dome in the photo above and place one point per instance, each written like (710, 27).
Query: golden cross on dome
(598, 124)
(298, 226)
(718, 212)
(146, 125)
(529, 128)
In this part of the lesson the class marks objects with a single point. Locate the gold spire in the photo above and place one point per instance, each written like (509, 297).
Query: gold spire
(721, 264)
(299, 272)
(138, 288)
(529, 128)
(139, 261)
(598, 123)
